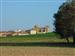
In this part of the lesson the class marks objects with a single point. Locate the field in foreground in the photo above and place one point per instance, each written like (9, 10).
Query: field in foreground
(36, 51)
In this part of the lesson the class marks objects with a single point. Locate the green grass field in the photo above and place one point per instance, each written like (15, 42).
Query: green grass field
(33, 50)
(48, 37)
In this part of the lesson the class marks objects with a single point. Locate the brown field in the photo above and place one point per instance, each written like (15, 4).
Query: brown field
(36, 51)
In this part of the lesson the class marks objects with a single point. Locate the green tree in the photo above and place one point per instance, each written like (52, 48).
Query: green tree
(65, 20)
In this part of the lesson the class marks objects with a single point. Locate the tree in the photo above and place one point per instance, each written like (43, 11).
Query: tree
(65, 20)
(73, 17)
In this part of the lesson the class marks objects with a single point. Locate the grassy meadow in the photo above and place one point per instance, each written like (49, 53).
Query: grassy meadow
(36, 49)
(47, 37)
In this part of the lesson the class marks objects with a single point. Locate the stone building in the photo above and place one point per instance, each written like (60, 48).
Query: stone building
(35, 30)
(41, 29)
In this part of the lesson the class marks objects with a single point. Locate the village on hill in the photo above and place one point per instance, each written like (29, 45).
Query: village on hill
(35, 30)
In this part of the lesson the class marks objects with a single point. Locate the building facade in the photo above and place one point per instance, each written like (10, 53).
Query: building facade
(35, 30)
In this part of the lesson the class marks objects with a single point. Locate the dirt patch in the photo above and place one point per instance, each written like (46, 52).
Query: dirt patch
(36, 51)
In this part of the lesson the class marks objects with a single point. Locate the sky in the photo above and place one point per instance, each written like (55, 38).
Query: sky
(24, 14)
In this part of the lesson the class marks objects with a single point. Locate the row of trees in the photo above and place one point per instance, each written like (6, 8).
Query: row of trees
(65, 20)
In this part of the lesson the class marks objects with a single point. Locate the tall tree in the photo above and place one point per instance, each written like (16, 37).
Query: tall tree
(73, 18)
(65, 20)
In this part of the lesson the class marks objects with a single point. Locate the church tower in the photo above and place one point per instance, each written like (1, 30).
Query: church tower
(36, 27)
(47, 29)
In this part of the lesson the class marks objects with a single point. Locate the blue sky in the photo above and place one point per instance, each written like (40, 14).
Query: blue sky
(24, 14)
